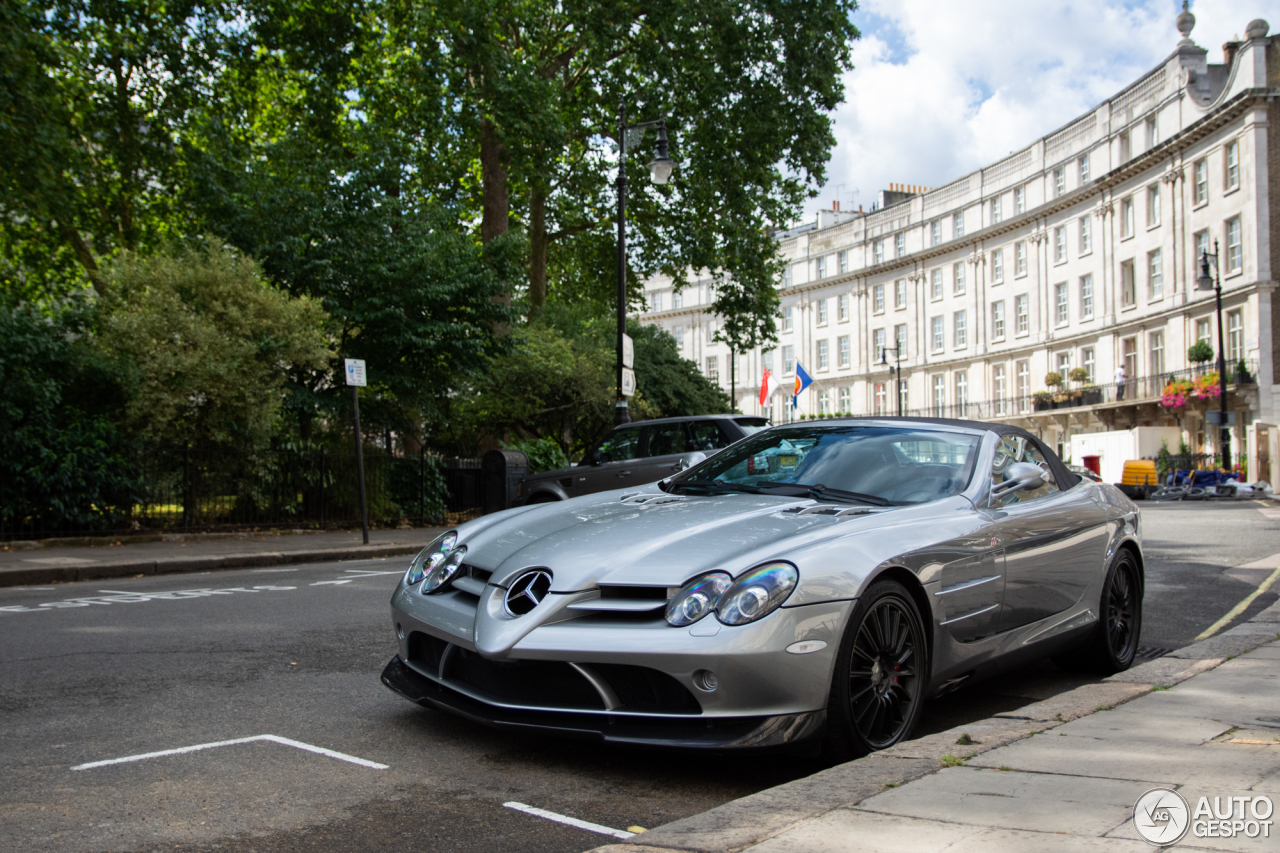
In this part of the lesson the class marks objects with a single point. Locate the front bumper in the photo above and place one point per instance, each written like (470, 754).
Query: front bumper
(691, 731)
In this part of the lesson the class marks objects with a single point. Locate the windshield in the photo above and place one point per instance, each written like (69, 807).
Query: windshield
(863, 464)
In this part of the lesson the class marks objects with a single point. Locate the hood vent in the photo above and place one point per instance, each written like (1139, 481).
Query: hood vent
(652, 500)
(839, 511)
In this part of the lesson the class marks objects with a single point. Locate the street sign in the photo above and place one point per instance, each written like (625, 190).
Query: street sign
(355, 371)
(1215, 418)
(628, 352)
(628, 382)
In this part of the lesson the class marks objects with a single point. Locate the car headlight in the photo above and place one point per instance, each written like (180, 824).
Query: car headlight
(757, 593)
(696, 599)
(442, 572)
(429, 557)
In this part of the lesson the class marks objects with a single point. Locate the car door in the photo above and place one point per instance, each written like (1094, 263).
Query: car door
(615, 468)
(665, 447)
(1053, 540)
(708, 436)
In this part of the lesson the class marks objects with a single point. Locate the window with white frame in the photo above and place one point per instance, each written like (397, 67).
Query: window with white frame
(678, 334)
(900, 293)
(1086, 297)
(766, 360)
(844, 400)
(957, 224)
(824, 402)
(877, 249)
(843, 343)
(677, 299)
(960, 330)
(712, 326)
(713, 368)
(786, 276)
(822, 312)
(997, 266)
(1061, 301)
(655, 301)
(1200, 173)
(877, 299)
(1059, 182)
(1235, 335)
(822, 267)
(1022, 314)
(1129, 356)
(900, 245)
(1019, 200)
(1128, 289)
(935, 232)
(962, 392)
(844, 261)
(939, 395)
(935, 284)
(842, 307)
(1126, 217)
(1235, 254)
(788, 318)
(1155, 275)
(1201, 239)
(1022, 375)
(938, 337)
(1083, 168)
(997, 320)
(1063, 366)
(1020, 258)
(1232, 176)
(824, 356)
(957, 279)
(1156, 365)
(1153, 205)
(900, 338)
(1153, 132)
(1203, 331)
(1060, 244)
(880, 398)
(788, 360)
(999, 389)
(995, 210)
(878, 344)
(1086, 234)
(1087, 361)
(902, 396)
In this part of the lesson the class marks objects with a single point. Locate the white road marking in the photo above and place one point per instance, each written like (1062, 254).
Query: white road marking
(365, 573)
(333, 583)
(297, 744)
(570, 821)
(110, 596)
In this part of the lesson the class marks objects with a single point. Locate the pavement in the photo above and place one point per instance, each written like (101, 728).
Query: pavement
(26, 563)
(1059, 775)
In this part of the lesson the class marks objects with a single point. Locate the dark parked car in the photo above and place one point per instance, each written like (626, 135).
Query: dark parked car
(639, 453)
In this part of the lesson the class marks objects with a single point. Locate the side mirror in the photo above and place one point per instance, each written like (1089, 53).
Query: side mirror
(593, 456)
(1020, 477)
(689, 460)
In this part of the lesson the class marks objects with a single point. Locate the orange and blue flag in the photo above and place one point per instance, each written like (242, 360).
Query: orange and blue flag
(803, 381)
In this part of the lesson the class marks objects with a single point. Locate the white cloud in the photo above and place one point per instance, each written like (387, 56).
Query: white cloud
(942, 88)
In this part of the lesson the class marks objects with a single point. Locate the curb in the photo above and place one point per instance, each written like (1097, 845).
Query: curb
(41, 575)
(747, 821)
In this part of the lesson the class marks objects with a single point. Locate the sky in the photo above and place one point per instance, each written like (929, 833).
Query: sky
(940, 88)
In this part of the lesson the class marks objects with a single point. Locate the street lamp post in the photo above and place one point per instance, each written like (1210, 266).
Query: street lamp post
(1214, 283)
(660, 167)
(895, 370)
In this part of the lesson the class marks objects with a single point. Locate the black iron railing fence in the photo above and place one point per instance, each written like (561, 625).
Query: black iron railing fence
(196, 490)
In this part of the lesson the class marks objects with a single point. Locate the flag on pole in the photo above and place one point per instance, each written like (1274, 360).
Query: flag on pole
(767, 386)
(803, 381)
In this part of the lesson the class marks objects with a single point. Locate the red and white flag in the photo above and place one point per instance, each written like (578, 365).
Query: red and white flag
(767, 386)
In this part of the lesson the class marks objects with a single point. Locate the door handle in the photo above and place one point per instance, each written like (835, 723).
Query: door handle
(624, 473)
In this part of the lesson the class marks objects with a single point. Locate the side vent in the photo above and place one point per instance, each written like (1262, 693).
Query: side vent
(652, 500)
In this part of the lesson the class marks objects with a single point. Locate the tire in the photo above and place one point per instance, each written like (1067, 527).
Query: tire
(1113, 643)
(881, 672)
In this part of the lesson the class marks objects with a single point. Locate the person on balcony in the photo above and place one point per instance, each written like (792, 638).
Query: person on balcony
(1121, 376)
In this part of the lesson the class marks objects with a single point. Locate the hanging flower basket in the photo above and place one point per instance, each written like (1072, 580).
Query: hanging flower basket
(1175, 393)
(1206, 387)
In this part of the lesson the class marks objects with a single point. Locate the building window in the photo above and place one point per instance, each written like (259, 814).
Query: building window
(1086, 234)
(844, 400)
(1086, 297)
(935, 232)
(786, 276)
(843, 343)
(1020, 258)
(1022, 314)
(1064, 364)
(900, 245)
(842, 307)
(997, 266)
(1083, 164)
(900, 338)
(1155, 275)
(711, 330)
(1126, 217)
(878, 249)
(998, 388)
(1202, 248)
(766, 359)
(1129, 356)
(1059, 182)
(677, 299)
(1153, 205)
(788, 318)
(902, 396)
(938, 334)
(995, 210)
(935, 284)
(824, 358)
(957, 272)
(1128, 293)
(1153, 133)
(844, 261)
(822, 312)
(1156, 365)
(878, 337)
(788, 360)
(939, 395)
(678, 334)
(1019, 200)
(961, 329)
(1087, 362)
(1235, 335)
(1061, 301)
(997, 320)
(880, 397)
(1233, 167)
(962, 393)
(957, 224)
(822, 267)
(1235, 256)
(1202, 331)
(824, 402)
(1023, 378)
(713, 368)
(655, 301)
(1201, 173)
(900, 293)
(877, 298)
(1060, 244)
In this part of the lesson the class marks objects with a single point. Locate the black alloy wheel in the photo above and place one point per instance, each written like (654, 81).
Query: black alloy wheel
(1113, 643)
(881, 673)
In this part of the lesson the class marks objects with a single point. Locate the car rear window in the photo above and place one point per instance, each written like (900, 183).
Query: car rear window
(751, 425)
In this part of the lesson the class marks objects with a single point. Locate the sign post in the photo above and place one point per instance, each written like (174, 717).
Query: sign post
(356, 379)
(628, 362)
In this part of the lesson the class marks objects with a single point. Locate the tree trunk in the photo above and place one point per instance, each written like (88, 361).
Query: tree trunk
(83, 254)
(538, 244)
(496, 201)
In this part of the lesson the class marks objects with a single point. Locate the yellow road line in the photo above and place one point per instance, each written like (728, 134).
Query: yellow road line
(1239, 608)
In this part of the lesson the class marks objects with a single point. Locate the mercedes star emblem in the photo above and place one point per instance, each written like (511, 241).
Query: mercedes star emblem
(526, 592)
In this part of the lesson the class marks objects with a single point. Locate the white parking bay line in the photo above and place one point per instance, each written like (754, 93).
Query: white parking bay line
(297, 744)
(570, 821)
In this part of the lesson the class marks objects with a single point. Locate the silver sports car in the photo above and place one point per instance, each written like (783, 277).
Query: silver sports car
(812, 583)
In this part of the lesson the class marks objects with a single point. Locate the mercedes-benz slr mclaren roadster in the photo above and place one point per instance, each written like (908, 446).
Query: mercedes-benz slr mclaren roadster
(812, 583)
